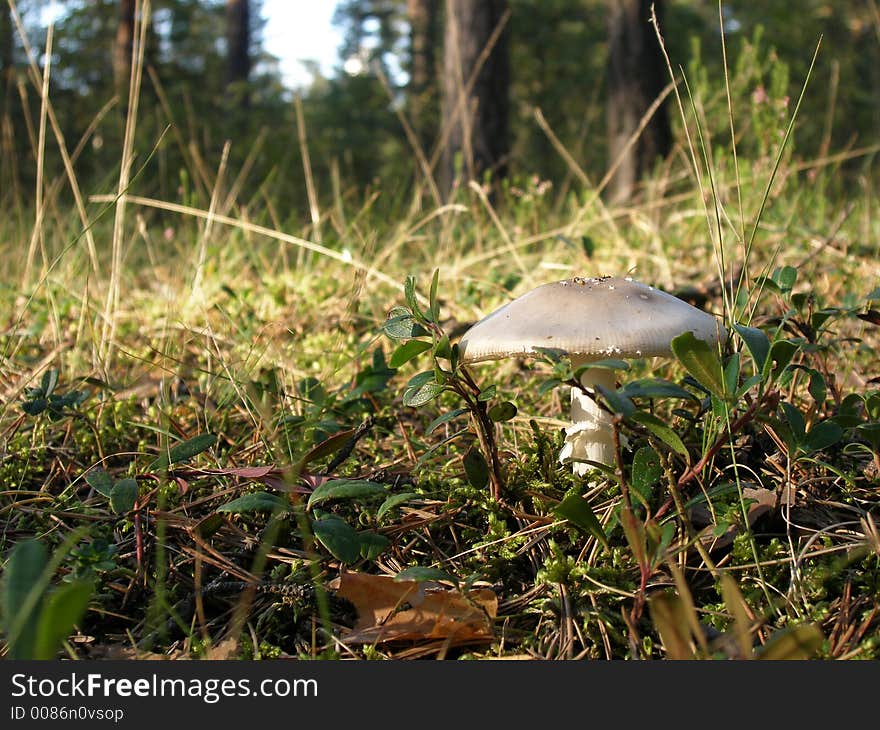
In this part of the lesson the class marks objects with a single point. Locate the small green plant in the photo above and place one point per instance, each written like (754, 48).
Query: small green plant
(36, 617)
(417, 330)
(45, 399)
(91, 559)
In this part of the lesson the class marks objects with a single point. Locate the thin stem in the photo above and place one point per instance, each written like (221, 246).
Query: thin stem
(485, 429)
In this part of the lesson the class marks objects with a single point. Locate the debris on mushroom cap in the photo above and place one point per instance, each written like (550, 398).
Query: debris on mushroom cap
(599, 318)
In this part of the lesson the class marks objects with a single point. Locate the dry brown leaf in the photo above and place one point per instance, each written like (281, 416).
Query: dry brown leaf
(761, 501)
(225, 649)
(390, 610)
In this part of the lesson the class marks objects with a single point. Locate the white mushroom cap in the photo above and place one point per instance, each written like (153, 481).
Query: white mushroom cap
(606, 317)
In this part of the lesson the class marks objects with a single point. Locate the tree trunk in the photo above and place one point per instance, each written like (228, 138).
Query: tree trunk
(422, 16)
(636, 77)
(477, 115)
(122, 47)
(238, 60)
(6, 40)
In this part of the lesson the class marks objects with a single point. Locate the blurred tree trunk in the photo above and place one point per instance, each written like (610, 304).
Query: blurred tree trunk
(238, 60)
(122, 47)
(6, 40)
(422, 16)
(477, 118)
(636, 77)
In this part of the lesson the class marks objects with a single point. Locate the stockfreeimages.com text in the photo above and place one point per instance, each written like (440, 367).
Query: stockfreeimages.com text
(94, 684)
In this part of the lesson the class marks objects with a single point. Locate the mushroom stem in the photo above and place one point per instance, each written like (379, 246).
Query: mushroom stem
(590, 435)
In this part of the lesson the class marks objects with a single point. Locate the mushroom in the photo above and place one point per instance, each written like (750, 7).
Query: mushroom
(591, 320)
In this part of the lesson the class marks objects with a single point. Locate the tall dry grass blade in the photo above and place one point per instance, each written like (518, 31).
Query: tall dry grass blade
(595, 196)
(142, 19)
(314, 210)
(778, 161)
(38, 81)
(695, 165)
(198, 277)
(37, 237)
(505, 236)
(413, 140)
(253, 153)
(739, 198)
(183, 147)
(346, 259)
(706, 149)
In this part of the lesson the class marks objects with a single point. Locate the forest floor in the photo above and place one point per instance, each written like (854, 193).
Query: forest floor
(213, 432)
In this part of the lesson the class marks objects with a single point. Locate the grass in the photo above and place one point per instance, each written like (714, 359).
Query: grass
(203, 339)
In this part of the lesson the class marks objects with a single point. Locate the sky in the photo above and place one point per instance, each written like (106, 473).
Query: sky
(301, 29)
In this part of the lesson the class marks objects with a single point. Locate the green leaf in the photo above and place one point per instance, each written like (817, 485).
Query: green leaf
(818, 319)
(871, 433)
(873, 295)
(797, 642)
(795, 420)
(731, 373)
(781, 353)
(433, 302)
(22, 576)
(393, 501)
(35, 407)
(444, 418)
(816, 387)
(191, 447)
(185, 450)
(340, 538)
(646, 471)
(124, 496)
(655, 388)
(701, 360)
(50, 380)
(577, 511)
(821, 436)
(503, 411)
(255, 502)
(99, 480)
(344, 489)
(872, 404)
(401, 325)
(487, 393)
(409, 293)
(548, 385)
(442, 348)
(421, 574)
(372, 544)
(328, 446)
(659, 429)
(64, 607)
(421, 389)
(475, 467)
(407, 351)
(312, 390)
(767, 283)
(608, 364)
(785, 277)
(616, 401)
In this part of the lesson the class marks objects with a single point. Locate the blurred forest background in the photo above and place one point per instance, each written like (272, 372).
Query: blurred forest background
(553, 89)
